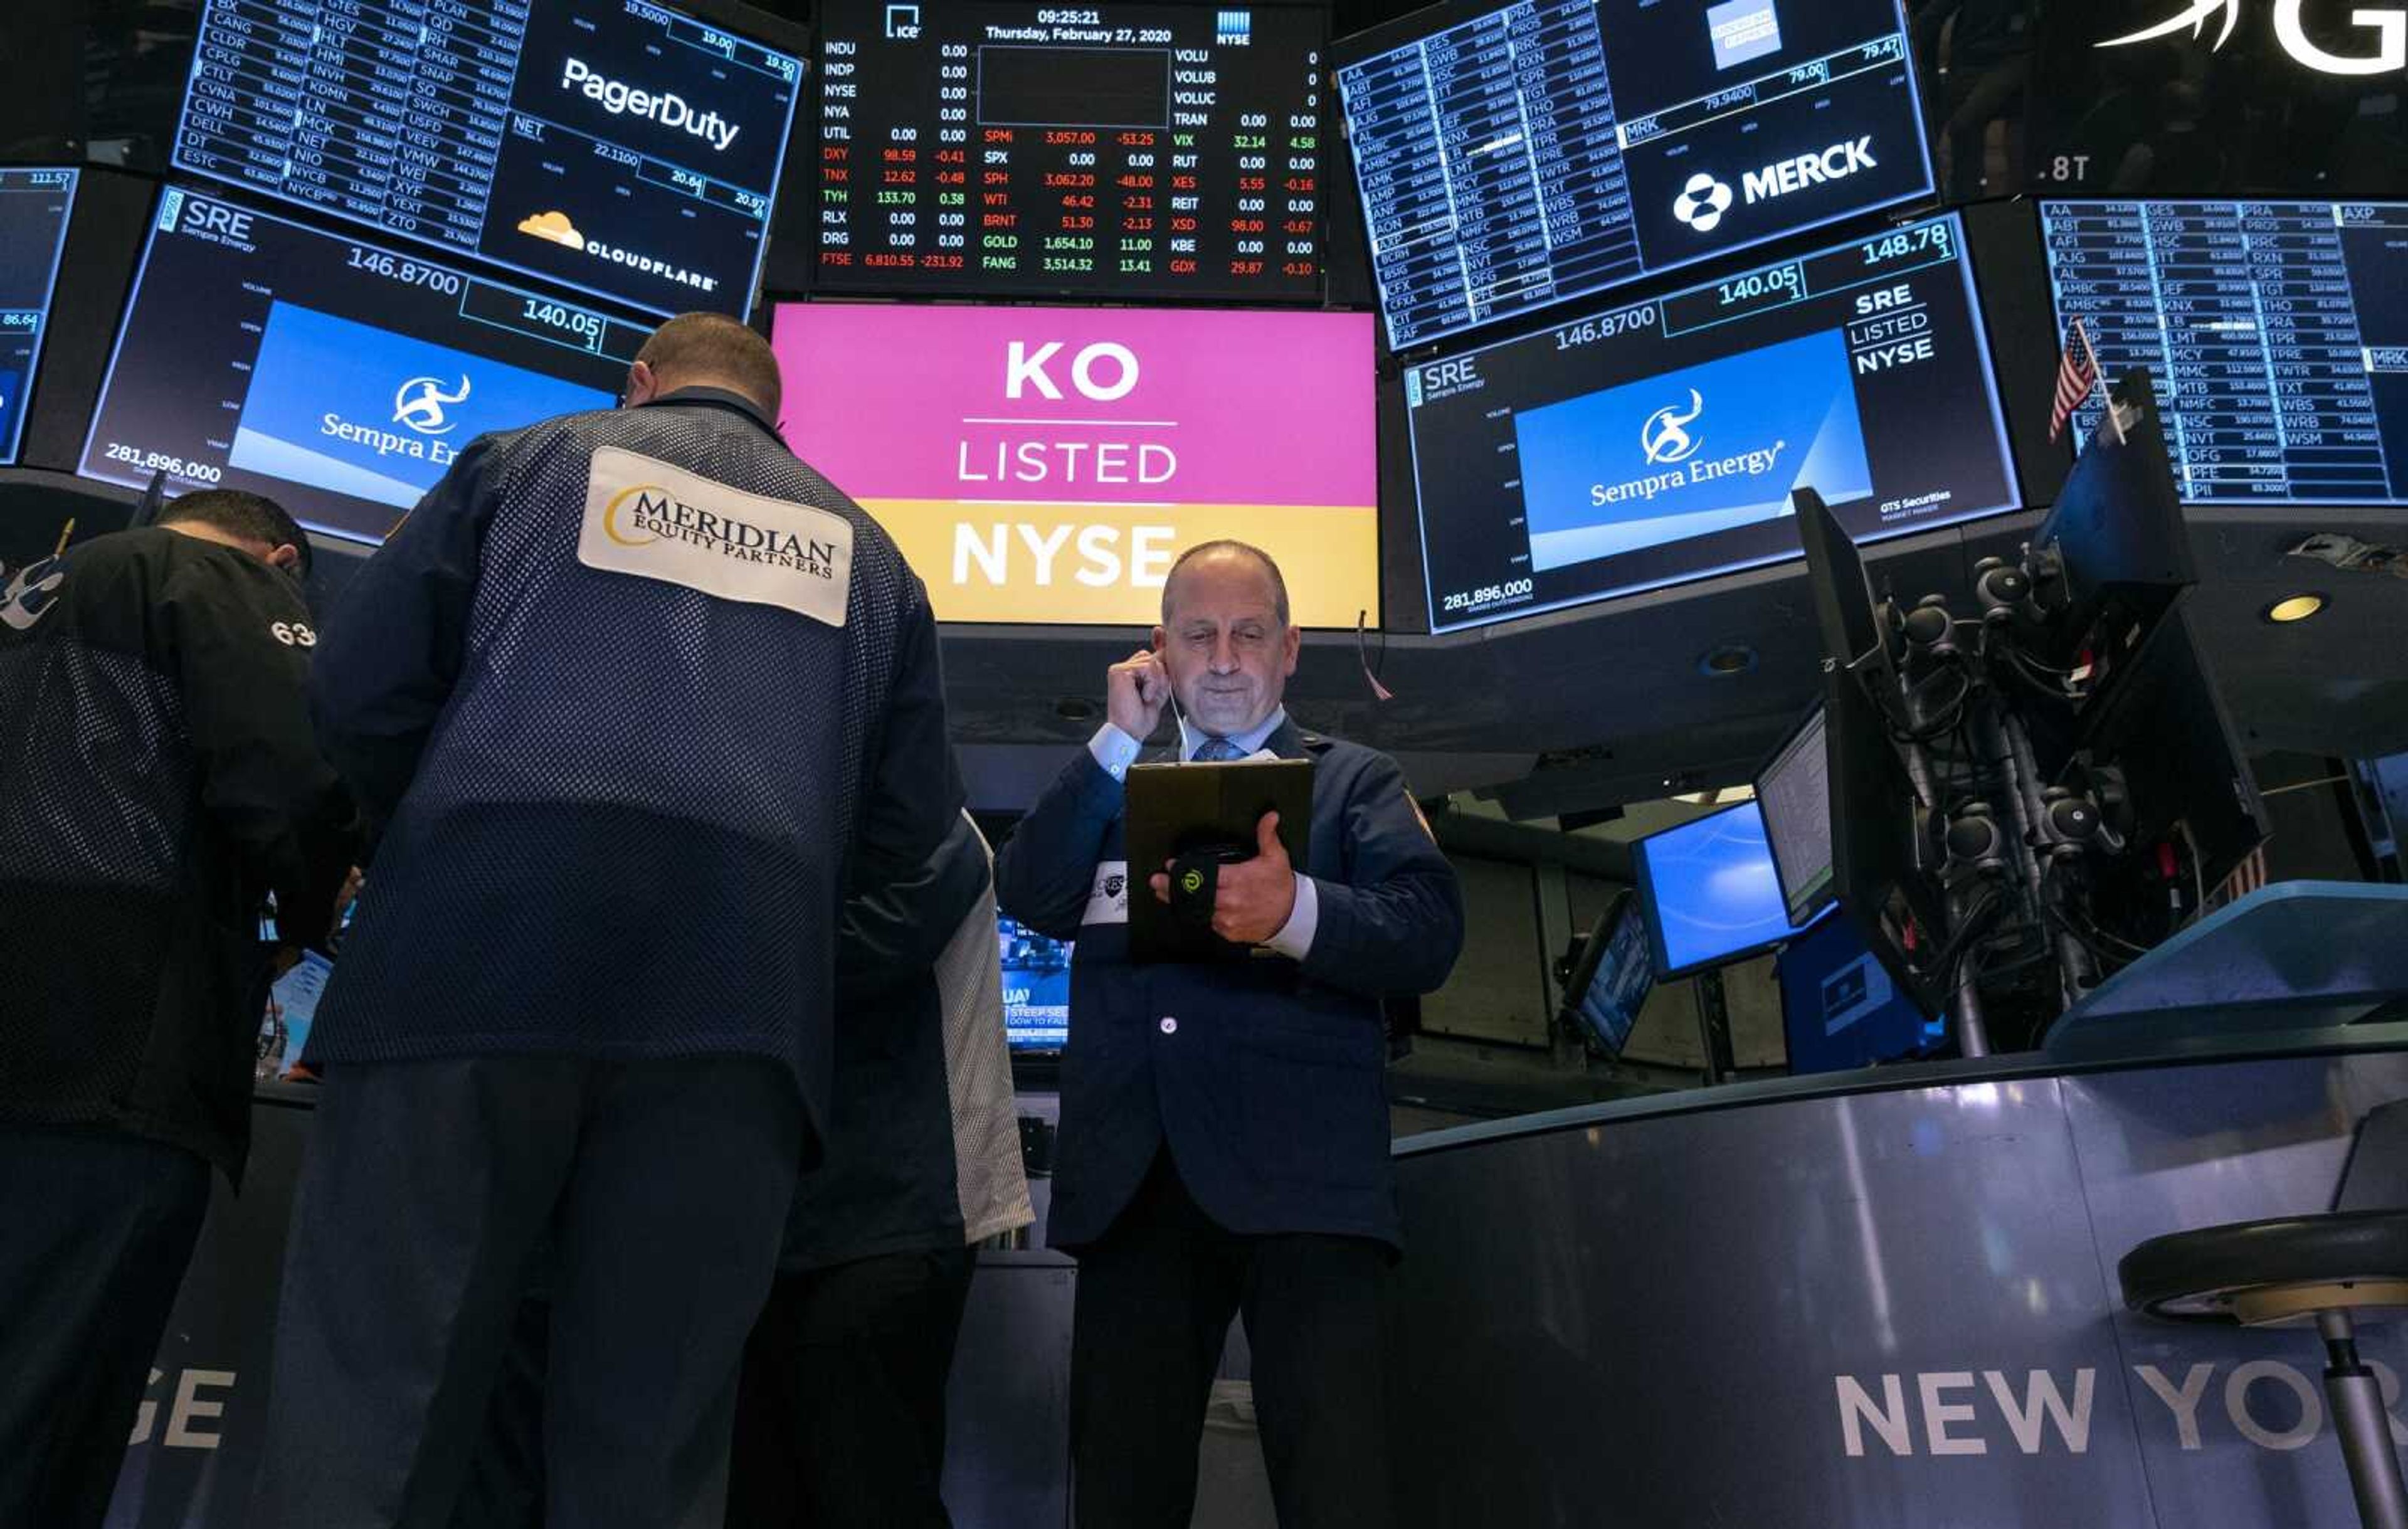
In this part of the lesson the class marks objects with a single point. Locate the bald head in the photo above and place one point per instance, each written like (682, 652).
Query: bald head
(706, 350)
(1238, 557)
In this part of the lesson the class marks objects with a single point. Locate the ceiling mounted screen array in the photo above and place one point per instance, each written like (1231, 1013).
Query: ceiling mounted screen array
(1658, 442)
(2277, 333)
(1142, 151)
(613, 146)
(1513, 158)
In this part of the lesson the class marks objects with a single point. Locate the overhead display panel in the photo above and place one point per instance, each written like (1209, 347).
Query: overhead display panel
(33, 207)
(1138, 151)
(1045, 465)
(2277, 333)
(613, 145)
(1514, 158)
(339, 377)
(1659, 442)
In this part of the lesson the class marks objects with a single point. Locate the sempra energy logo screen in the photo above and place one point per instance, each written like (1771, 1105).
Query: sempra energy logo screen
(1047, 464)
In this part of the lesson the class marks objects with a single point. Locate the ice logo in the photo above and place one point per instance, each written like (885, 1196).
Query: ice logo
(1702, 202)
(420, 401)
(2390, 26)
(1665, 437)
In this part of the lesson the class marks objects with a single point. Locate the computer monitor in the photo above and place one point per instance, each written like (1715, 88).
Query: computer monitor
(1880, 871)
(2162, 723)
(1793, 792)
(33, 208)
(1840, 1006)
(1844, 606)
(1036, 987)
(1616, 973)
(2118, 532)
(1711, 894)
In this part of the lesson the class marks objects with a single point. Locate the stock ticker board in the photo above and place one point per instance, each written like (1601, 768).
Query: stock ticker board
(33, 207)
(614, 146)
(2277, 333)
(1553, 149)
(1119, 151)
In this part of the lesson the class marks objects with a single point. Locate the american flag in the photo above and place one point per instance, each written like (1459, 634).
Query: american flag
(2077, 373)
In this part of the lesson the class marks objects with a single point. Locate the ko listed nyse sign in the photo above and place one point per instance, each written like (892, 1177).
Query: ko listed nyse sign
(1048, 465)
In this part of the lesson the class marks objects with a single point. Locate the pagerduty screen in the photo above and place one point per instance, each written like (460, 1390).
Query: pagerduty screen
(1550, 148)
(339, 377)
(613, 145)
(33, 207)
(1660, 441)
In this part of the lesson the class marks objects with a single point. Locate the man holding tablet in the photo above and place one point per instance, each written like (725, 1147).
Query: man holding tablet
(1224, 1122)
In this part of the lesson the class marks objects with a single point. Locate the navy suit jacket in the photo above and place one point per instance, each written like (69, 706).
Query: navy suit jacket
(1265, 1076)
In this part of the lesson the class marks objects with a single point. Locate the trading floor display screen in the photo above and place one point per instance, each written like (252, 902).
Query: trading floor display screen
(1036, 987)
(335, 376)
(1659, 442)
(1550, 148)
(2277, 334)
(33, 207)
(613, 145)
(1116, 151)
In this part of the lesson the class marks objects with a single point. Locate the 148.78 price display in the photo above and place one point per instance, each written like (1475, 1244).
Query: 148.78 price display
(1119, 151)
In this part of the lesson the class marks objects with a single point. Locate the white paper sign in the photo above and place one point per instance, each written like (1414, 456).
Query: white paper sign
(656, 521)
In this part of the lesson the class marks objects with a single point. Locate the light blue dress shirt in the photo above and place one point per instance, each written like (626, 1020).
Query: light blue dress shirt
(1115, 751)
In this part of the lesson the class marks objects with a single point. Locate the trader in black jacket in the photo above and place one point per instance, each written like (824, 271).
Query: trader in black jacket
(158, 777)
(1223, 1144)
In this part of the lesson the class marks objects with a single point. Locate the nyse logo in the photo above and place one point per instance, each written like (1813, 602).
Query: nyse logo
(2389, 27)
(1025, 368)
(1665, 437)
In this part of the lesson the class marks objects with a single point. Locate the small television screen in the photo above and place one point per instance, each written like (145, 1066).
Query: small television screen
(337, 378)
(33, 207)
(1793, 792)
(2276, 332)
(1036, 987)
(1118, 150)
(1045, 465)
(1712, 893)
(617, 147)
(1838, 1006)
(1614, 974)
(1661, 441)
(1514, 157)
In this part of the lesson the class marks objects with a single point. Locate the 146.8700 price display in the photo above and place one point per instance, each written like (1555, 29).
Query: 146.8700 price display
(1122, 151)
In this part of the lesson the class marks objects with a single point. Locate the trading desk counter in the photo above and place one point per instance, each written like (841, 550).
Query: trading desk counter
(1871, 1299)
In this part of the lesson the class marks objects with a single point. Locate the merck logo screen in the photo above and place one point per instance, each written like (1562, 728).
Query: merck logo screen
(1046, 465)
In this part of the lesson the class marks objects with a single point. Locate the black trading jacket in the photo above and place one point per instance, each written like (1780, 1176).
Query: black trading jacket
(157, 776)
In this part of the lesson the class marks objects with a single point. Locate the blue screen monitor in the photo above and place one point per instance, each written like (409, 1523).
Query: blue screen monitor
(1641, 446)
(1615, 974)
(1036, 987)
(612, 146)
(337, 377)
(1713, 895)
(1839, 1008)
(33, 208)
(1512, 157)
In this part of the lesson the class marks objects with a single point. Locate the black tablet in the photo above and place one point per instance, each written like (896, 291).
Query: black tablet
(1181, 809)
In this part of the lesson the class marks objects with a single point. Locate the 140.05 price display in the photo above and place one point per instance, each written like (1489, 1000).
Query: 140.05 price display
(1660, 441)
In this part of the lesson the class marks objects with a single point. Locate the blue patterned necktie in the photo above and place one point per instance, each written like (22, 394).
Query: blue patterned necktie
(1214, 750)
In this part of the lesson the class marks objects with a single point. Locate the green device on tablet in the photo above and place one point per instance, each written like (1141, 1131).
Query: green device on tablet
(1200, 817)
